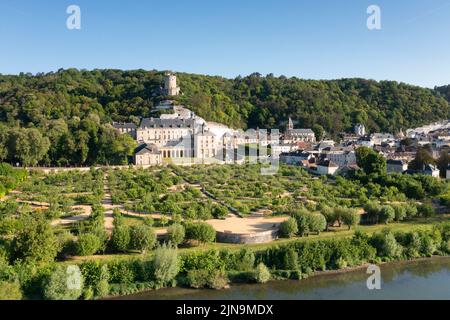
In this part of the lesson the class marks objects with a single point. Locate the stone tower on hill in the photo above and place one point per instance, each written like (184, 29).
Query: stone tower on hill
(170, 85)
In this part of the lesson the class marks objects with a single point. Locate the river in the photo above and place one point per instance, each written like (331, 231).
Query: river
(421, 279)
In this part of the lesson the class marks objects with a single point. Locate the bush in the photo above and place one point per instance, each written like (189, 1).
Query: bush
(290, 259)
(88, 244)
(201, 232)
(63, 284)
(206, 279)
(411, 210)
(165, 264)
(262, 273)
(289, 228)
(96, 279)
(317, 223)
(176, 234)
(220, 212)
(386, 245)
(400, 212)
(10, 291)
(142, 238)
(302, 218)
(426, 210)
(387, 214)
(120, 239)
(244, 260)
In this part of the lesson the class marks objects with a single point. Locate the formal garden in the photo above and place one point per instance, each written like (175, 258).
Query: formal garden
(328, 223)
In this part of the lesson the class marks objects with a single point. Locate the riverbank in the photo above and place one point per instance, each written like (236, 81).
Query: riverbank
(398, 278)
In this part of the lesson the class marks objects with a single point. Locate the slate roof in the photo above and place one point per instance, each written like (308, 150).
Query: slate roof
(167, 123)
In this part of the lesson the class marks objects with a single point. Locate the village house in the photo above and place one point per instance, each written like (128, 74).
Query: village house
(396, 166)
(325, 167)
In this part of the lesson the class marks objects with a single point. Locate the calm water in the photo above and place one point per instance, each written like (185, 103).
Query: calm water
(425, 279)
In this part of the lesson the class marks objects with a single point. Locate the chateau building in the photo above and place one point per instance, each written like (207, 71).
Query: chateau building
(147, 155)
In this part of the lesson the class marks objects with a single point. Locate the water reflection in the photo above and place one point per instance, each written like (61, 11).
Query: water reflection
(424, 279)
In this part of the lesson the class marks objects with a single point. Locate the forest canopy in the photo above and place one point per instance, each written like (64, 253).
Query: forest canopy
(64, 117)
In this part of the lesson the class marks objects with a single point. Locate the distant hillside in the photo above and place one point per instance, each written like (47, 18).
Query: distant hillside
(71, 108)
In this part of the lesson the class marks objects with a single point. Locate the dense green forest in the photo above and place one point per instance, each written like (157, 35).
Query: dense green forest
(63, 118)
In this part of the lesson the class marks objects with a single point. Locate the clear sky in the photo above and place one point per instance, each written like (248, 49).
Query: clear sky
(313, 39)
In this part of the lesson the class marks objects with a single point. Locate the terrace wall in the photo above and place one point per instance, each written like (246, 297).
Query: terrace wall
(239, 238)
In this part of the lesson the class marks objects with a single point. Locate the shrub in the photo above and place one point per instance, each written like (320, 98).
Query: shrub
(317, 223)
(386, 245)
(220, 212)
(165, 264)
(142, 238)
(120, 239)
(411, 210)
(176, 234)
(56, 285)
(387, 214)
(201, 232)
(88, 244)
(96, 279)
(10, 291)
(289, 228)
(206, 279)
(400, 212)
(426, 210)
(244, 260)
(262, 273)
(302, 218)
(121, 271)
(290, 259)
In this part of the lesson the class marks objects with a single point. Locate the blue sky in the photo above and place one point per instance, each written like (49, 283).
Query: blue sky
(314, 39)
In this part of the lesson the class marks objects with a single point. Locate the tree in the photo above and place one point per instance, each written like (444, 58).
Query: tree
(35, 242)
(289, 228)
(370, 161)
(329, 215)
(62, 284)
(88, 244)
(201, 232)
(290, 259)
(302, 222)
(120, 239)
(165, 264)
(27, 146)
(317, 223)
(400, 212)
(176, 234)
(143, 238)
(387, 214)
(351, 218)
(423, 157)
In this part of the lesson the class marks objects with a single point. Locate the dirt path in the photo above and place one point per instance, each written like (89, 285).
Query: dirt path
(108, 206)
(86, 213)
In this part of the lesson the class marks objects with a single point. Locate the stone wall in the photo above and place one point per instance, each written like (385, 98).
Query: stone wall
(239, 238)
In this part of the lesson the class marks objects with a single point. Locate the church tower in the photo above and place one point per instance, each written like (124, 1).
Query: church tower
(290, 125)
(170, 85)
